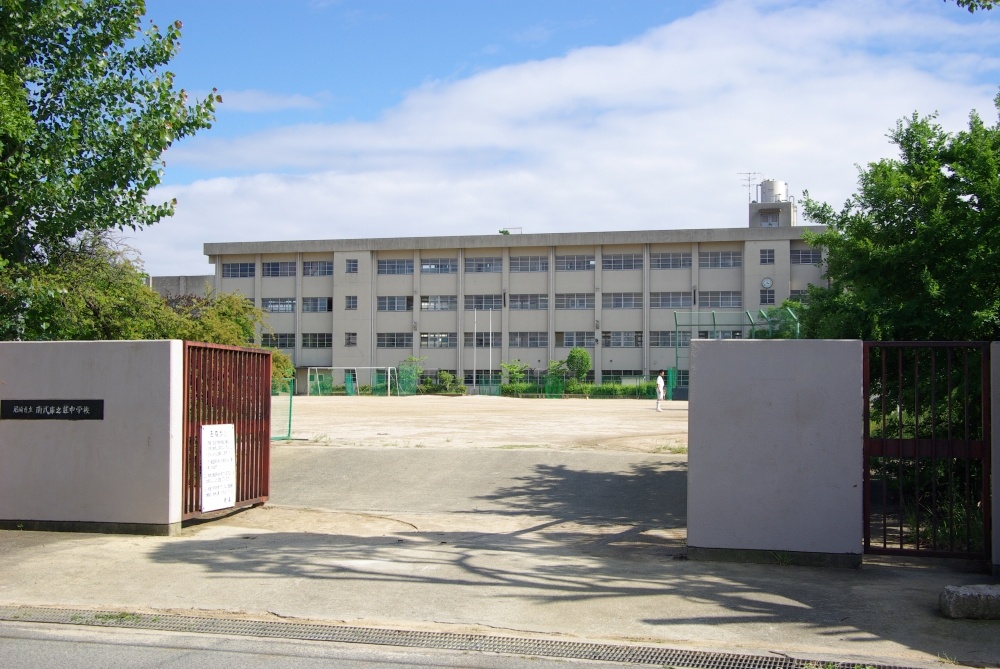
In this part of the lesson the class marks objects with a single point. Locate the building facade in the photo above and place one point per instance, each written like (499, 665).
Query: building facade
(465, 304)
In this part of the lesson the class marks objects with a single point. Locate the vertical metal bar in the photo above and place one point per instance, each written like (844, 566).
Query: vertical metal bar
(987, 439)
(916, 452)
(899, 428)
(933, 454)
(865, 451)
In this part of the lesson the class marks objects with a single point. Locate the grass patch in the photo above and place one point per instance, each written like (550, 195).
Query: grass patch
(120, 617)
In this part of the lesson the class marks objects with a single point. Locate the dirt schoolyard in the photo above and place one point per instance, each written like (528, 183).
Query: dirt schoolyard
(478, 421)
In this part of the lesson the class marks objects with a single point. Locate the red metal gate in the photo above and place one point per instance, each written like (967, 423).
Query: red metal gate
(222, 385)
(927, 449)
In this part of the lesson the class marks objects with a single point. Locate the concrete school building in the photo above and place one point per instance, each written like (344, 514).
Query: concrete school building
(465, 304)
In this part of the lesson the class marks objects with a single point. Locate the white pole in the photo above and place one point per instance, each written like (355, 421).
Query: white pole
(475, 388)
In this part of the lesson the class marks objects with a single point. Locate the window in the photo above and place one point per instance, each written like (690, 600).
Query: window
(682, 377)
(351, 266)
(669, 300)
(317, 304)
(238, 270)
(395, 266)
(529, 301)
(439, 303)
(621, 300)
(669, 260)
(669, 339)
(798, 294)
(769, 220)
(484, 302)
(571, 339)
(317, 268)
(615, 261)
(438, 340)
(806, 256)
(574, 300)
(394, 340)
(622, 339)
(615, 375)
(350, 339)
(278, 340)
(767, 296)
(479, 265)
(395, 303)
(574, 263)
(529, 264)
(278, 305)
(528, 340)
(483, 339)
(279, 269)
(720, 334)
(317, 340)
(439, 266)
(713, 259)
(484, 377)
(767, 256)
(721, 298)
(351, 302)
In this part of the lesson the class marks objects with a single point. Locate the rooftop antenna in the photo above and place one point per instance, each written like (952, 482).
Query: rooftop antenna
(751, 179)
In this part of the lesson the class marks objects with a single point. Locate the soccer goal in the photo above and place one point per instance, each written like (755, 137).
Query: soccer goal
(353, 381)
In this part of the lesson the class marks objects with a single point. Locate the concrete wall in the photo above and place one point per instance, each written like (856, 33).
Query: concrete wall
(183, 285)
(122, 473)
(774, 455)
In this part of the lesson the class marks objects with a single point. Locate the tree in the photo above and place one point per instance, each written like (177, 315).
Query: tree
(578, 362)
(913, 255)
(515, 370)
(87, 115)
(973, 5)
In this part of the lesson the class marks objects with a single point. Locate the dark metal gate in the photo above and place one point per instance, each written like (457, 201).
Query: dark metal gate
(927, 449)
(222, 385)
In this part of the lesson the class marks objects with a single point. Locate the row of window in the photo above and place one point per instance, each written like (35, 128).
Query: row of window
(523, 302)
(609, 339)
(566, 263)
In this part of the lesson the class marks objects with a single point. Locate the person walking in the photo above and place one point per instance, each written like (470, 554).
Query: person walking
(660, 390)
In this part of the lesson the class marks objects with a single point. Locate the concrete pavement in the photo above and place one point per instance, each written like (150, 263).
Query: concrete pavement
(524, 542)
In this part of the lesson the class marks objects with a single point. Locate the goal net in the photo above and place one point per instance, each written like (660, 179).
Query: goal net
(354, 381)
(282, 393)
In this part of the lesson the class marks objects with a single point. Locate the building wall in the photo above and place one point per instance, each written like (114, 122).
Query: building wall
(122, 472)
(614, 272)
(783, 471)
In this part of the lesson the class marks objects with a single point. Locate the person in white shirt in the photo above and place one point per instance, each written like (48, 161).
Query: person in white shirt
(660, 390)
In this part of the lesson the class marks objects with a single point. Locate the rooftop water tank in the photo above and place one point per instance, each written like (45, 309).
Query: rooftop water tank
(773, 191)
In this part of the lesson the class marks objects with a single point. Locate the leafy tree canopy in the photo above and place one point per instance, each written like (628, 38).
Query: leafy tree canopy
(973, 5)
(87, 112)
(578, 362)
(913, 255)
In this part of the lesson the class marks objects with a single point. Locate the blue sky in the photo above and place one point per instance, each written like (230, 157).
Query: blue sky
(349, 118)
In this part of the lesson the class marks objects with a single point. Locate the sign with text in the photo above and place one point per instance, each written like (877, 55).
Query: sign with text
(52, 409)
(218, 467)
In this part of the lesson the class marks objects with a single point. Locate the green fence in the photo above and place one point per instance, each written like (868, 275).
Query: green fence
(282, 393)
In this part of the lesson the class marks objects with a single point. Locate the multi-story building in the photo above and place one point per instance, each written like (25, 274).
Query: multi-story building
(465, 304)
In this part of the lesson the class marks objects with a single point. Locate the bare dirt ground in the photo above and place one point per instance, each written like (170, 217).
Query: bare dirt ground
(491, 422)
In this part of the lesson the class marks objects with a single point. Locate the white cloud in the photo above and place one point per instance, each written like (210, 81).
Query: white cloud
(262, 101)
(652, 133)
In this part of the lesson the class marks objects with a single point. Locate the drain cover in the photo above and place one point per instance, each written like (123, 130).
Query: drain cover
(414, 639)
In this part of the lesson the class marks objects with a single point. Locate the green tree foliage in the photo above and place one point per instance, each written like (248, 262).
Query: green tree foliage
(914, 254)
(973, 5)
(91, 113)
(780, 322)
(578, 362)
(515, 370)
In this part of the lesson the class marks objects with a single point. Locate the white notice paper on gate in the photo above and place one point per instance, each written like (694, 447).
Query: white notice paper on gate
(218, 467)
